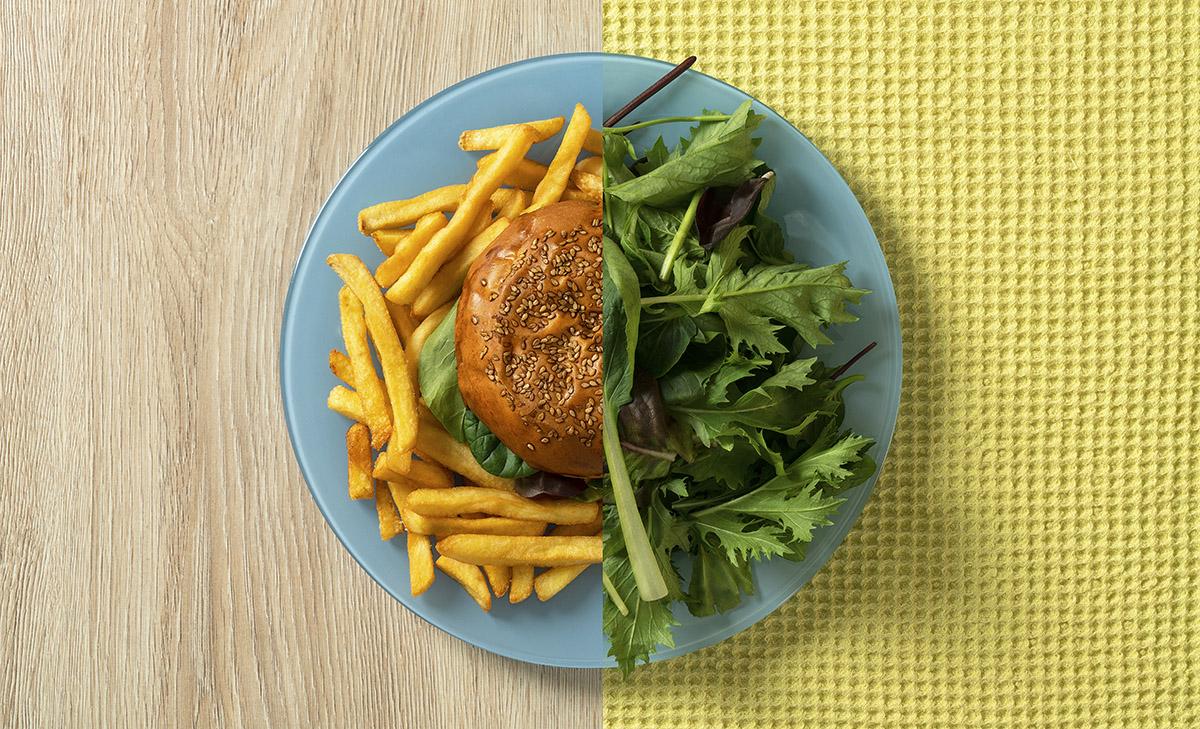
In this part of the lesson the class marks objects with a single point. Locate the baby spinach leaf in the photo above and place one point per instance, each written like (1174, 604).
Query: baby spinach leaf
(495, 457)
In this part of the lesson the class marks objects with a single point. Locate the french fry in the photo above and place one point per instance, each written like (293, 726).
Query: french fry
(484, 219)
(550, 189)
(399, 213)
(341, 367)
(447, 241)
(480, 549)
(429, 475)
(403, 319)
(407, 249)
(420, 563)
(434, 441)
(389, 518)
(366, 380)
(390, 218)
(470, 577)
(346, 403)
(594, 142)
(447, 284)
(388, 238)
(552, 581)
(474, 140)
(387, 341)
(573, 193)
(524, 176)
(423, 474)
(400, 488)
(516, 204)
(358, 461)
(591, 165)
(463, 499)
(444, 526)
(498, 576)
(590, 529)
(521, 586)
(417, 342)
(588, 183)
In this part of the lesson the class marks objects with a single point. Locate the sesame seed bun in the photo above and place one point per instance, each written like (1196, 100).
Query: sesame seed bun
(528, 339)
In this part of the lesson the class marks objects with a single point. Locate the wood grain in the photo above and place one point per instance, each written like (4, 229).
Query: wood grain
(161, 562)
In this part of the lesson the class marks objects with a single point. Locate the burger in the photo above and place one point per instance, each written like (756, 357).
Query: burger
(528, 340)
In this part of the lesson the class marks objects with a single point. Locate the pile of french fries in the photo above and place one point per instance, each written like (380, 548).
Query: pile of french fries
(398, 453)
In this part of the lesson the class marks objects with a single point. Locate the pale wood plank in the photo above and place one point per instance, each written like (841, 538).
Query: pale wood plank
(160, 167)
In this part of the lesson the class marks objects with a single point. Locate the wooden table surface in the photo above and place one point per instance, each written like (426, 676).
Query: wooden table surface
(161, 561)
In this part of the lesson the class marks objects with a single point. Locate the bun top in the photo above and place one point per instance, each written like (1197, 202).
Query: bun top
(529, 338)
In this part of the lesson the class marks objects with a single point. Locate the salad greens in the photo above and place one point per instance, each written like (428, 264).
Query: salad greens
(439, 388)
(727, 444)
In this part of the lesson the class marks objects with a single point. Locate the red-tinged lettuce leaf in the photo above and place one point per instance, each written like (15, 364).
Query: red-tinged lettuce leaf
(643, 419)
(722, 209)
(550, 484)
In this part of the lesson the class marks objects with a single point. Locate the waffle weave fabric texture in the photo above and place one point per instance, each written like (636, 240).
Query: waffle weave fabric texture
(1029, 556)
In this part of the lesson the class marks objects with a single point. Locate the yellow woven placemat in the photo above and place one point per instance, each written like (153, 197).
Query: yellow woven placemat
(1029, 557)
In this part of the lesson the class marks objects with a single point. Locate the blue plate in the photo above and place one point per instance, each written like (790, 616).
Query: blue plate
(820, 215)
(824, 224)
(419, 152)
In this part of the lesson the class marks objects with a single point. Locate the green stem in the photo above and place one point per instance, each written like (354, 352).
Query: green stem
(613, 595)
(685, 225)
(667, 120)
(650, 582)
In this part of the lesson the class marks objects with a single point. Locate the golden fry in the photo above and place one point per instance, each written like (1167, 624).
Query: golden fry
(483, 221)
(550, 189)
(470, 577)
(503, 550)
(385, 509)
(464, 499)
(574, 193)
(442, 526)
(407, 249)
(420, 563)
(341, 367)
(591, 165)
(417, 342)
(521, 586)
(590, 529)
(391, 356)
(400, 488)
(552, 581)
(399, 213)
(516, 204)
(366, 380)
(524, 176)
(498, 576)
(346, 403)
(594, 142)
(429, 475)
(387, 239)
(474, 140)
(435, 442)
(588, 183)
(447, 241)
(358, 460)
(403, 319)
(447, 284)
